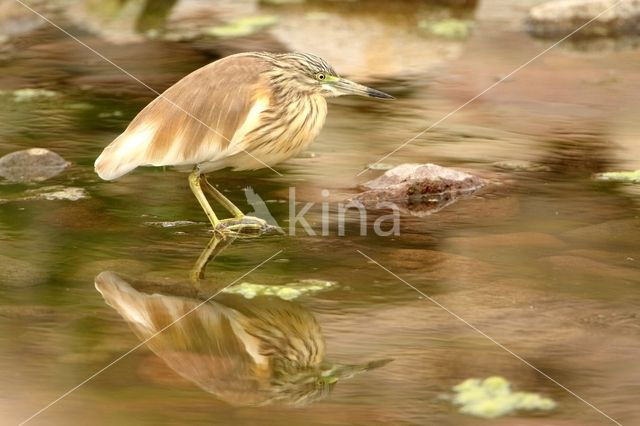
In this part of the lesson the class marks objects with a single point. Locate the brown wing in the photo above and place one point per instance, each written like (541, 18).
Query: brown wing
(192, 121)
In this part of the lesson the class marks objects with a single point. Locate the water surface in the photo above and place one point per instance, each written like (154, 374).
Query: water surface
(545, 262)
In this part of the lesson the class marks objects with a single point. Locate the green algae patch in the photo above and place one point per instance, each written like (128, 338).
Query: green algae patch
(28, 94)
(493, 397)
(451, 29)
(242, 27)
(632, 176)
(50, 193)
(288, 291)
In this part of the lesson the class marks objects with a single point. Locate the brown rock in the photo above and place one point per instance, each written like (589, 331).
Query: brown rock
(35, 164)
(419, 189)
(561, 17)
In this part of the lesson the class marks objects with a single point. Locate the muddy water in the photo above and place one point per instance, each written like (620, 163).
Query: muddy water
(545, 261)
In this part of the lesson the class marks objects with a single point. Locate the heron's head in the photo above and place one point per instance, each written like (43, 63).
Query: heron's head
(311, 74)
(303, 386)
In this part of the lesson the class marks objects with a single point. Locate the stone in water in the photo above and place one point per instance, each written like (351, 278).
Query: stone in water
(419, 189)
(31, 165)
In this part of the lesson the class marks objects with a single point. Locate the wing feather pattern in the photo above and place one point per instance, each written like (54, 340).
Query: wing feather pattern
(227, 95)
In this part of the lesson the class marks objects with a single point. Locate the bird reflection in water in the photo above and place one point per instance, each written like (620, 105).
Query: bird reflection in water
(256, 351)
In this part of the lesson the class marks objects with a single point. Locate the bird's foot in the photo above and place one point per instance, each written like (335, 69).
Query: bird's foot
(247, 226)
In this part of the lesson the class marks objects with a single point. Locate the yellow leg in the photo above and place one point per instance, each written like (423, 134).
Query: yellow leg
(194, 184)
(216, 245)
(217, 195)
(239, 224)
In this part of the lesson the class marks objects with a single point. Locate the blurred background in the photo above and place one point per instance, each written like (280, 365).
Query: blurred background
(545, 259)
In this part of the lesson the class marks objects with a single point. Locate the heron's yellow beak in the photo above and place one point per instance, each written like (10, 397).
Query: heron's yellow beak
(348, 87)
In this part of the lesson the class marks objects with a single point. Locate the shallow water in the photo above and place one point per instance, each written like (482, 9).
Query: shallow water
(545, 262)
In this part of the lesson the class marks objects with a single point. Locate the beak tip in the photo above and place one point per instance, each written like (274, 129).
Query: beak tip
(378, 94)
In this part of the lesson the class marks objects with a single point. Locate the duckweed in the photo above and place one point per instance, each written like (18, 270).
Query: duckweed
(242, 27)
(629, 176)
(493, 397)
(288, 291)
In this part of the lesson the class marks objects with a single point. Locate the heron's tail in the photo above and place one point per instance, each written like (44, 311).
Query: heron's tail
(125, 299)
(109, 167)
(124, 154)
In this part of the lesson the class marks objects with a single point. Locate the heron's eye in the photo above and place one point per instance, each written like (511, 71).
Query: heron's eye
(320, 76)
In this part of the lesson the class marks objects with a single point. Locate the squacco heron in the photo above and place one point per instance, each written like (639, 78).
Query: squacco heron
(245, 111)
(245, 351)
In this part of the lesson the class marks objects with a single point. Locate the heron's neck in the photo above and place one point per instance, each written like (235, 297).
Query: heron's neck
(286, 88)
(285, 95)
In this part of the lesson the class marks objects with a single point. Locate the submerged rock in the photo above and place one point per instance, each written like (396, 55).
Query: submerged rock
(19, 273)
(420, 189)
(560, 17)
(31, 165)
